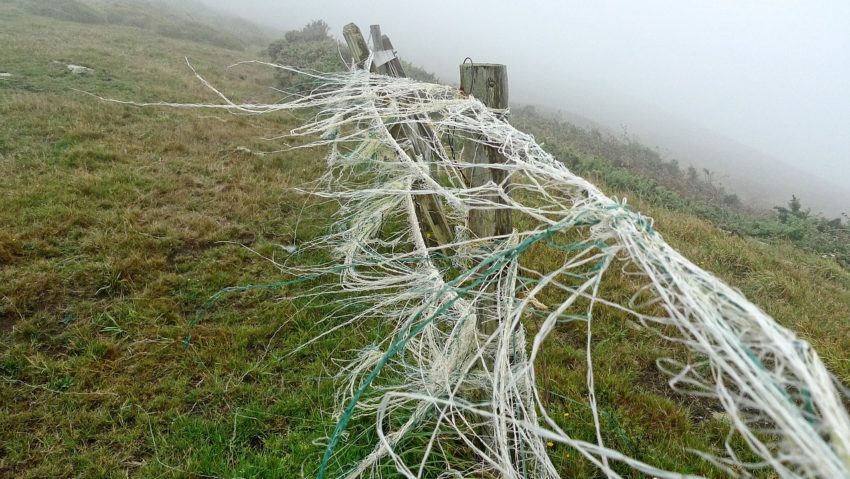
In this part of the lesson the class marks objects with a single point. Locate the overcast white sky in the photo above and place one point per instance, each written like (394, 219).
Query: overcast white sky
(774, 75)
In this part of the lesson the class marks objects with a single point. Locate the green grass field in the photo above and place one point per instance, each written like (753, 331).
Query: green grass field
(118, 223)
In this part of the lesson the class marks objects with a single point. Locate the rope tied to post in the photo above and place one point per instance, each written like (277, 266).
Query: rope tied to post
(412, 385)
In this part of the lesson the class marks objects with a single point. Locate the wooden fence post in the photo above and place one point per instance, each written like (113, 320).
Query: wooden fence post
(488, 83)
(394, 67)
(356, 44)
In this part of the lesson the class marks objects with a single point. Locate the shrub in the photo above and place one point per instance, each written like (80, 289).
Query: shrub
(418, 73)
(322, 56)
(315, 31)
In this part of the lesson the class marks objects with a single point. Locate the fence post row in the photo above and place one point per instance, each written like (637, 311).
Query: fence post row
(429, 210)
(489, 84)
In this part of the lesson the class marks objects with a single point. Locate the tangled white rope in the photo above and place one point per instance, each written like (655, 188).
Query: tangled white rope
(449, 401)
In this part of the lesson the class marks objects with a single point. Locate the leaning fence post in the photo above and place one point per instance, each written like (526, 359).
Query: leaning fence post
(394, 67)
(356, 44)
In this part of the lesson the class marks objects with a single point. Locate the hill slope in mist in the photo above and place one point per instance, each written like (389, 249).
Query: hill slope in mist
(760, 179)
(181, 19)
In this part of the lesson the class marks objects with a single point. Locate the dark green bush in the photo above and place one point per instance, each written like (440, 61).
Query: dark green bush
(320, 56)
(313, 48)
(315, 31)
(418, 73)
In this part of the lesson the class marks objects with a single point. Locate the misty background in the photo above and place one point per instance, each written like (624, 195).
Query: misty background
(754, 90)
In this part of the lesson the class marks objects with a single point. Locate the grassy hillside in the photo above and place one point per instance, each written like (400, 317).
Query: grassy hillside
(178, 19)
(624, 163)
(117, 224)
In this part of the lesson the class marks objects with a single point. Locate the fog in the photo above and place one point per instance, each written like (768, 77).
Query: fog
(758, 90)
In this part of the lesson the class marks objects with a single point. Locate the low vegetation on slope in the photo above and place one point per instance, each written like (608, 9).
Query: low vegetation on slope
(626, 164)
(117, 225)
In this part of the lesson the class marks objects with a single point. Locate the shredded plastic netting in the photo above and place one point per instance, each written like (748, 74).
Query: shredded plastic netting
(452, 398)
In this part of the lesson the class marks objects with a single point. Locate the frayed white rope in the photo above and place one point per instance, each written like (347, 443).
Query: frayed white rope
(425, 375)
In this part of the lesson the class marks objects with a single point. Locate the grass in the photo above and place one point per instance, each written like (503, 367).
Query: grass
(117, 224)
(173, 19)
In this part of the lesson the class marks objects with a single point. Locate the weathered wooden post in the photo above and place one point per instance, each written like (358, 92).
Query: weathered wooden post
(435, 227)
(377, 38)
(488, 83)
(378, 61)
(394, 67)
(356, 44)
